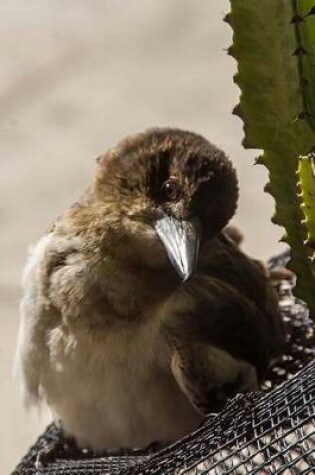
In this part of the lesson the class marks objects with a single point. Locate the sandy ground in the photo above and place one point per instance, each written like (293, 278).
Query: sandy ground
(75, 77)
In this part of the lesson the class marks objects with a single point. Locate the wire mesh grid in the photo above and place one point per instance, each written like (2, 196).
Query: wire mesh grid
(276, 434)
(270, 432)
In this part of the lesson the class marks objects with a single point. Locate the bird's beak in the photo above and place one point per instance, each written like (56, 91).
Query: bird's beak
(181, 241)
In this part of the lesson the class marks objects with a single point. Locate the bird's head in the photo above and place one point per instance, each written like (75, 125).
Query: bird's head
(169, 190)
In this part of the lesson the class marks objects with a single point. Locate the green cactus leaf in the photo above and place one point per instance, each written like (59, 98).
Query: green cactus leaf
(305, 32)
(274, 45)
(306, 185)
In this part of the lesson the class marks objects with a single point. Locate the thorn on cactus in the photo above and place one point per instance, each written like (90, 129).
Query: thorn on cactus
(236, 78)
(231, 51)
(310, 243)
(299, 51)
(304, 82)
(302, 116)
(227, 18)
(296, 19)
(259, 160)
(237, 110)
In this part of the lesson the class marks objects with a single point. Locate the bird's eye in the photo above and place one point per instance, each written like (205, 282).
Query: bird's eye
(171, 189)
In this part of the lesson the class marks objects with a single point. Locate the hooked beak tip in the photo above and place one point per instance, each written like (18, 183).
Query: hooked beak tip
(186, 277)
(181, 242)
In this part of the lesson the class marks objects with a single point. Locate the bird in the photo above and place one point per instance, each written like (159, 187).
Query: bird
(140, 313)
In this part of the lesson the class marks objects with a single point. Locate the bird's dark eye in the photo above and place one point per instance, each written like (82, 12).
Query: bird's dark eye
(171, 189)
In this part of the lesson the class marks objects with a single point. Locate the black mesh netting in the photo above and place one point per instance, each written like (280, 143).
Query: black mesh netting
(270, 432)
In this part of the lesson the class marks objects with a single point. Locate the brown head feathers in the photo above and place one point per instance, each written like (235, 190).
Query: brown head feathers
(169, 171)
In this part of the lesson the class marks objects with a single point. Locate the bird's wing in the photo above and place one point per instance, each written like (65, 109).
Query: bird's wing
(220, 342)
(208, 376)
(226, 262)
(30, 351)
(40, 312)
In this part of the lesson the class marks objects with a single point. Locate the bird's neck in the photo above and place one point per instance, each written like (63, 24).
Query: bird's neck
(133, 289)
(132, 275)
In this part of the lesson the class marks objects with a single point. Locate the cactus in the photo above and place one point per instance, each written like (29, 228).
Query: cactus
(274, 45)
(306, 185)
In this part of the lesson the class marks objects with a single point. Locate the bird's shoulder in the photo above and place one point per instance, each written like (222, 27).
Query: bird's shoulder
(247, 277)
(224, 260)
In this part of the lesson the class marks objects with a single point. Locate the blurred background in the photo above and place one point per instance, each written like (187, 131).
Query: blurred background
(77, 76)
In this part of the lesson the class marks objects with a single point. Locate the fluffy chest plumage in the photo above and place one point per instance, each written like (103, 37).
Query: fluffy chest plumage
(113, 387)
(135, 293)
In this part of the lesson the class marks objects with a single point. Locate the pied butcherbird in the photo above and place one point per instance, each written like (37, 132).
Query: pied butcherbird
(139, 314)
